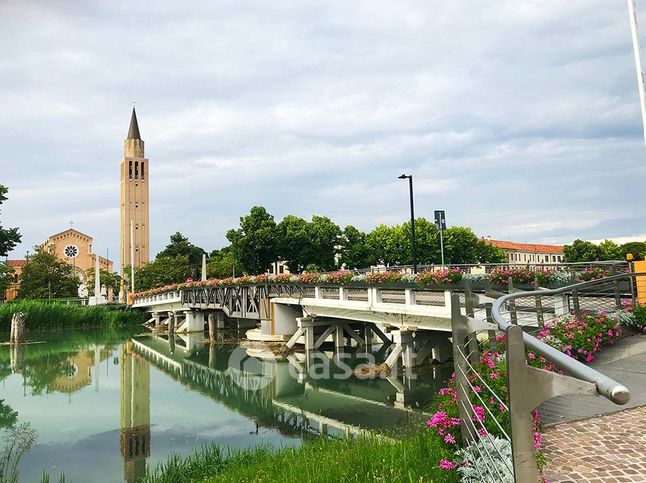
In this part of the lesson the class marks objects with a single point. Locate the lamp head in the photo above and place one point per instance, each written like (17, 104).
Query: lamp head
(404, 176)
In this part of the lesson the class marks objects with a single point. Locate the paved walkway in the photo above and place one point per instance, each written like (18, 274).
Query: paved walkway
(589, 439)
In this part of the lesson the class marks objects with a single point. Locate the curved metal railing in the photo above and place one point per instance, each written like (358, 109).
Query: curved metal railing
(606, 387)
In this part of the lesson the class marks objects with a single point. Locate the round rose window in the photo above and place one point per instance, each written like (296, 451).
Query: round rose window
(71, 251)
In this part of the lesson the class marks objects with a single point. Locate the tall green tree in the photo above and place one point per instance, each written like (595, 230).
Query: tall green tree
(355, 252)
(294, 243)
(221, 263)
(609, 250)
(638, 249)
(427, 242)
(488, 253)
(387, 244)
(44, 275)
(581, 251)
(324, 236)
(164, 270)
(255, 244)
(9, 237)
(6, 277)
(180, 246)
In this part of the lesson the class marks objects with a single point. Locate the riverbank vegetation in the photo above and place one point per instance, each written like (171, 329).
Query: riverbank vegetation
(411, 459)
(45, 315)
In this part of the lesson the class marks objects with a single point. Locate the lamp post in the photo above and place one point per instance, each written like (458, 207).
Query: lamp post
(412, 218)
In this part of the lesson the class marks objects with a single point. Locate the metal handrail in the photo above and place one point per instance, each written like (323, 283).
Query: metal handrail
(606, 387)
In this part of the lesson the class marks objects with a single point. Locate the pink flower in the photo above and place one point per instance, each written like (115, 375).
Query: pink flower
(531, 355)
(447, 464)
(478, 413)
(449, 438)
(437, 419)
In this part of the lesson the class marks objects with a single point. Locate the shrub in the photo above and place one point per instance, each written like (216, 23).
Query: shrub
(500, 462)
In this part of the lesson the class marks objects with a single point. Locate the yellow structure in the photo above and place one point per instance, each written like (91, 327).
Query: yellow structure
(134, 198)
(135, 413)
(75, 248)
(70, 246)
(640, 267)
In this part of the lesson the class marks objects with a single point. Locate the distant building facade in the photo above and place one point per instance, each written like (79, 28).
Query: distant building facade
(529, 252)
(70, 246)
(134, 198)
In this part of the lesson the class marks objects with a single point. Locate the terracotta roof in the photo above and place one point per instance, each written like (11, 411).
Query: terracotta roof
(16, 263)
(526, 247)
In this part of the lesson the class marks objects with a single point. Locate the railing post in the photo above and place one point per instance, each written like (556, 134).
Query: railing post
(512, 304)
(522, 433)
(575, 301)
(539, 305)
(617, 294)
(459, 328)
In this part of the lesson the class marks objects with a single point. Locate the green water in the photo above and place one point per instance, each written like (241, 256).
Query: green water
(107, 405)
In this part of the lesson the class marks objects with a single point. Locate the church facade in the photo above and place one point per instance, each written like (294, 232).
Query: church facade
(134, 199)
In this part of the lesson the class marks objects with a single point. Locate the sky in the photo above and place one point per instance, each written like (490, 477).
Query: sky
(520, 119)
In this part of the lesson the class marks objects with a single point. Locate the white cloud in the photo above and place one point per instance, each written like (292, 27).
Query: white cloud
(519, 119)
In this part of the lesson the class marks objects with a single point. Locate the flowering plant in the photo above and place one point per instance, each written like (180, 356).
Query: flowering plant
(313, 277)
(439, 277)
(383, 277)
(593, 273)
(341, 277)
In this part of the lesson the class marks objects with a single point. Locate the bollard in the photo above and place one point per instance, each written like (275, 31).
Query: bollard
(17, 335)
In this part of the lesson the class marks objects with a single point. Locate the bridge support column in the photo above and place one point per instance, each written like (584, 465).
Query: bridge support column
(194, 321)
(216, 322)
(171, 322)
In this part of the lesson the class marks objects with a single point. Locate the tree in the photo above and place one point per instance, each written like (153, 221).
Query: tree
(180, 246)
(324, 237)
(6, 276)
(220, 264)
(386, 244)
(294, 243)
(609, 250)
(427, 243)
(460, 245)
(638, 249)
(581, 251)
(9, 237)
(109, 279)
(488, 253)
(355, 252)
(162, 271)
(254, 244)
(44, 275)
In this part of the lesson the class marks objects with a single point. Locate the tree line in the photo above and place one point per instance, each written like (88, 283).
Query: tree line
(315, 245)
(585, 251)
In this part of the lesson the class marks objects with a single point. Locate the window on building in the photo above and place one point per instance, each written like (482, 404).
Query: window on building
(142, 170)
(130, 169)
(281, 269)
(136, 170)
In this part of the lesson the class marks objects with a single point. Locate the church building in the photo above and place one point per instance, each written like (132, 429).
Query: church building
(134, 199)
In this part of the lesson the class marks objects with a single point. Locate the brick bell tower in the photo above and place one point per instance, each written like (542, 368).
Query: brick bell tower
(134, 197)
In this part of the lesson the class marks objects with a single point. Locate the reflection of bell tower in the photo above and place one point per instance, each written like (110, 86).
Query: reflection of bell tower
(135, 413)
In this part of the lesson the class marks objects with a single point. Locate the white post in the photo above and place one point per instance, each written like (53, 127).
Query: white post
(132, 256)
(203, 267)
(442, 246)
(97, 279)
(638, 62)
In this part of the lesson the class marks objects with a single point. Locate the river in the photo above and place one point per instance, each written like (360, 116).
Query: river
(107, 405)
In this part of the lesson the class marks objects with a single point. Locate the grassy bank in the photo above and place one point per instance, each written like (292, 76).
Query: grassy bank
(413, 459)
(41, 315)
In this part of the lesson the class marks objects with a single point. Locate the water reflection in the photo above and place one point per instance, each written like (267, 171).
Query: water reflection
(134, 436)
(223, 393)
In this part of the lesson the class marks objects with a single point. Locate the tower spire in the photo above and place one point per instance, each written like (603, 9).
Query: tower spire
(133, 132)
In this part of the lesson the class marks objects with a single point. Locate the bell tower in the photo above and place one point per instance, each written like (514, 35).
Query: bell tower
(134, 198)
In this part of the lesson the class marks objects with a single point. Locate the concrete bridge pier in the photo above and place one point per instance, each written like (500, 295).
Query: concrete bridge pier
(193, 321)
(414, 346)
(216, 322)
(172, 319)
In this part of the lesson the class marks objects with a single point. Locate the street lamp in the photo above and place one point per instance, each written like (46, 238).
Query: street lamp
(412, 218)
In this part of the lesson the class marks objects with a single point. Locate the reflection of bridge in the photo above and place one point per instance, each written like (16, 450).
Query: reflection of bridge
(274, 393)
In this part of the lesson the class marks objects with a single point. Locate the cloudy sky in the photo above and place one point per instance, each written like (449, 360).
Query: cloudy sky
(519, 118)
